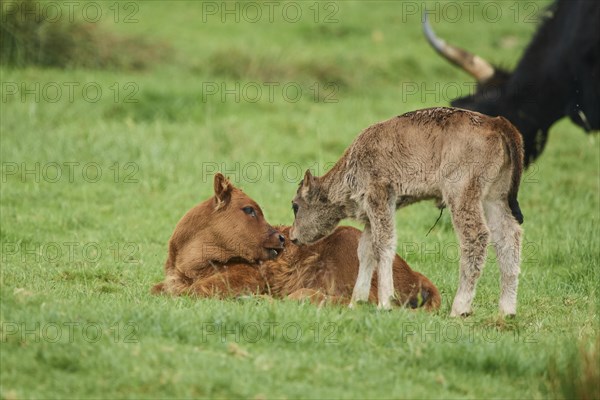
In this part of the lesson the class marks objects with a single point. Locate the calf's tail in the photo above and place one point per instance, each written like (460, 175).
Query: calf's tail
(514, 142)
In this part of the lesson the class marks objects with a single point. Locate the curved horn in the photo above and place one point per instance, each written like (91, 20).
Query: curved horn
(474, 65)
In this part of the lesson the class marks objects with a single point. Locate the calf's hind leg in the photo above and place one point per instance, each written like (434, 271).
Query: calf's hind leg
(506, 237)
(469, 224)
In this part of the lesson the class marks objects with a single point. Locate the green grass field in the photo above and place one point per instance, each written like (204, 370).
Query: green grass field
(98, 165)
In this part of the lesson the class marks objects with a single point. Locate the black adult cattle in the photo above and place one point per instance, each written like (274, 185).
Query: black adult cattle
(557, 76)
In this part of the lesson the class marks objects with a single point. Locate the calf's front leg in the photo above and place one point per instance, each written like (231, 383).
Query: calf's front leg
(236, 280)
(380, 212)
(366, 265)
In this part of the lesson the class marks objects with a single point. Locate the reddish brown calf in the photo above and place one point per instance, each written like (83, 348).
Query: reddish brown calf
(224, 247)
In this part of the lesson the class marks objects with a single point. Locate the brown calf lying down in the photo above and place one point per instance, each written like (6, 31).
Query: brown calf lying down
(224, 247)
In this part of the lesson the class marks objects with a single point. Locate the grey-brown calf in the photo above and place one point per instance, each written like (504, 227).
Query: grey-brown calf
(470, 162)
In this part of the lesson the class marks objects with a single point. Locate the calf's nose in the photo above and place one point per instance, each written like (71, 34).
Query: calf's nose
(281, 239)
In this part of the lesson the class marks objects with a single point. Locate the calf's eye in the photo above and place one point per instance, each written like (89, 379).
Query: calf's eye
(250, 211)
(295, 208)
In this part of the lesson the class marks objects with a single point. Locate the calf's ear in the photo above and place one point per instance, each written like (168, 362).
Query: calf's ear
(309, 180)
(307, 183)
(223, 188)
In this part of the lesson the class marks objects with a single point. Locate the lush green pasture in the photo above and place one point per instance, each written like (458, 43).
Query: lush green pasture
(94, 183)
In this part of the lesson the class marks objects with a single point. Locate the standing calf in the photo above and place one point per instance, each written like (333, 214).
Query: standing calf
(470, 162)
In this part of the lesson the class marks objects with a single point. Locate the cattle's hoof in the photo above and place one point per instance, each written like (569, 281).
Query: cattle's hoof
(508, 311)
(465, 314)
(357, 303)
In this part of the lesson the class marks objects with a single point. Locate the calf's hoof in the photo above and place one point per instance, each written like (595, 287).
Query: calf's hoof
(384, 306)
(508, 316)
(508, 310)
(357, 303)
(462, 314)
